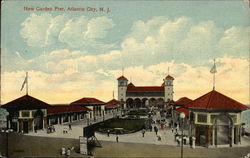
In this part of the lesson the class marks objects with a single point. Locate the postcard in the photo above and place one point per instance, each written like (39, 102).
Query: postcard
(123, 78)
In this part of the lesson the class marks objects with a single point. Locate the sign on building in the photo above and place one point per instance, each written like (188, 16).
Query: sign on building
(83, 145)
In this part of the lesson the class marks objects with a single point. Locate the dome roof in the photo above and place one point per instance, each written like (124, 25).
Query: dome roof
(169, 77)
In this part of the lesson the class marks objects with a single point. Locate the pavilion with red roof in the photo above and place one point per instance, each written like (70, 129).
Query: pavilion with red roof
(132, 96)
(214, 119)
(112, 106)
(96, 106)
(65, 113)
(26, 113)
(179, 106)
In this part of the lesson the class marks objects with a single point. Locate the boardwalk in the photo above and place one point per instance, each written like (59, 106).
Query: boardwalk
(23, 145)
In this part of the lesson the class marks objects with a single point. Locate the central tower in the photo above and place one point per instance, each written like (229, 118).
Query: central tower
(168, 88)
(122, 88)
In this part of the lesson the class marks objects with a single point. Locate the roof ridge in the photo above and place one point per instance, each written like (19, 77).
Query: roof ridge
(230, 98)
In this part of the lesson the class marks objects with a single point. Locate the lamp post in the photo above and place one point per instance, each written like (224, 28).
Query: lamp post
(87, 118)
(182, 116)
(7, 143)
(103, 115)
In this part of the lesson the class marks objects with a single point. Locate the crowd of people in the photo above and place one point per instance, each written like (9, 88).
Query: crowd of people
(51, 129)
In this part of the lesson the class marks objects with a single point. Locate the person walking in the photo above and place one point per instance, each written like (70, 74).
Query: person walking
(70, 127)
(117, 138)
(68, 152)
(108, 132)
(155, 129)
(63, 151)
(143, 132)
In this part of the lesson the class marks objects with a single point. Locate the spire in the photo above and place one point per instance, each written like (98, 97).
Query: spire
(27, 89)
(213, 71)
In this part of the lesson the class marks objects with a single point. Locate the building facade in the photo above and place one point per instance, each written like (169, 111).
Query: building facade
(214, 119)
(26, 114)
(97, 107)
(132, 96)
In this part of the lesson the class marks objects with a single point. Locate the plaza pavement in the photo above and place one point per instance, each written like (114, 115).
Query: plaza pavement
(167, 137)
(41, 144)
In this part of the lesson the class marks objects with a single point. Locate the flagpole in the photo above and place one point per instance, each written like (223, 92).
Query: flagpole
(214, 78)
(26, 83)
(214, 82)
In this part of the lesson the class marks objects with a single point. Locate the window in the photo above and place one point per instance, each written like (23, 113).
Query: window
(234, 118)
(212, 118)
(202, 118)
(25, 114)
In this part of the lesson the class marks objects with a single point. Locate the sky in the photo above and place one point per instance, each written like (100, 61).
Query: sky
(73, 54)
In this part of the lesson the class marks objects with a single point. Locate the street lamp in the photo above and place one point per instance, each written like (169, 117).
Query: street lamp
(87, 118)
(182, 116)
(103, 117)
(7, 143)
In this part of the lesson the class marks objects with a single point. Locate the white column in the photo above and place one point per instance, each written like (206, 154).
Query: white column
(49, 122)
(62, 119)
(58, 119)
(9, 124)
(43, 124)
(193, 142)
(213, 136)
(208, 118)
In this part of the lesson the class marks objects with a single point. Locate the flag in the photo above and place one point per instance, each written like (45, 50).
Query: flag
(24, 82)
(213, 69)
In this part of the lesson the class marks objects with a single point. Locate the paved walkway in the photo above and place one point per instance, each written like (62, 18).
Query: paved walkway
(167, 137)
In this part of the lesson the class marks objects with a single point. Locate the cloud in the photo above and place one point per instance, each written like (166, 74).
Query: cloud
(41, 30)
(149, 42)
(190, 81)
(44, 30)
(182, 40)
(145, 53)
(73, 32)
(235, 41)
(97, 27)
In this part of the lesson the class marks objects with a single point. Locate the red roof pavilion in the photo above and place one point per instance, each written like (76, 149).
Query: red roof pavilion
(183, 109)
(88, 102)
(112, 104)
(183, 101)
(26, 102)
(216, 100)
(66, 109)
